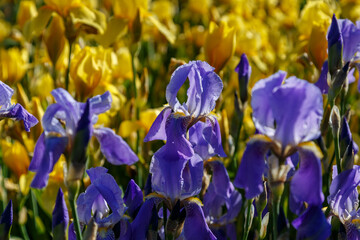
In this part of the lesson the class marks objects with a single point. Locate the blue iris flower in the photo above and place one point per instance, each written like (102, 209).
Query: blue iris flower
(62, 122)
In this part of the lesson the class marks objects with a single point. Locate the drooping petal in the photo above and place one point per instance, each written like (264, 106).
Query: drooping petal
(212, 135)
(133, 198)
(38, 153)
(322, 83)
(306, 184)
(262, 92)
(220, 179)
(192, 176)
(297, 106)
(312, 224)
(54, 147)
(157, 130)
(18, 113)
(141, 223)
(114, 148)
(195, 224)
(60, 215)
(252, 166)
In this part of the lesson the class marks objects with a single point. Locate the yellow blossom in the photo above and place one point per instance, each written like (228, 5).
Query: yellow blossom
(15, 157)
(12, 64)
(27, 10)
(88, 68)
(219, 45)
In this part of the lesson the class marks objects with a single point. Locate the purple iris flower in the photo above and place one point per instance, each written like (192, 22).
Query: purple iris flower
(15, 111)
(78, 119)
(221, 193)
(177, 167)
(103, 197)
(344, 200)
(288, 112)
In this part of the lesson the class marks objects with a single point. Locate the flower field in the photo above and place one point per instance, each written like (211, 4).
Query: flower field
(179, 119)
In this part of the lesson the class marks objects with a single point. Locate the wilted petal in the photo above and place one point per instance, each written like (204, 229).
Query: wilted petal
(322, 83)
(312, 224)
(262, 92)
(297, 106)
(157, 130)
(60, 215)
(18, 113)
(252, 166)
(54, 147)
(114, 148)
(195, 224)
(133, 198)
(306, 185)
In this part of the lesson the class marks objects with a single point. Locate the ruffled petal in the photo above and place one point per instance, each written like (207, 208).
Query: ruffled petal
(114, 148)
(262, 92)
(298, 108)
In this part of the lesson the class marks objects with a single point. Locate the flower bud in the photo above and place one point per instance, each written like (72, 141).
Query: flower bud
(334, 120)
(6, 221)
(335, 46)
(27, 10)
(60, 217)
(244, 71)
(337, 81)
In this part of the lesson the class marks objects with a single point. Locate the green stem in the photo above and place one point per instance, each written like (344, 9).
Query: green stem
(24, 232)
(237, 138)
(73, 193)
(247, 222)
(275, 214)
(68, 68)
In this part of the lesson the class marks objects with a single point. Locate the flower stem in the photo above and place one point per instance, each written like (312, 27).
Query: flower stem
(247, 222)
(275, 214)
(73, 193)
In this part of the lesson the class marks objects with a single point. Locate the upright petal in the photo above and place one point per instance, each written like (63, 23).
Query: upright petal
(260, 102)
(195, 224)
(312, 224)
(204, 89)
(252, 166)
(6, 93)
(350, 34)
(306, 185)
(101, 103)
(114, 148)
(64, 98)
(297, 106)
